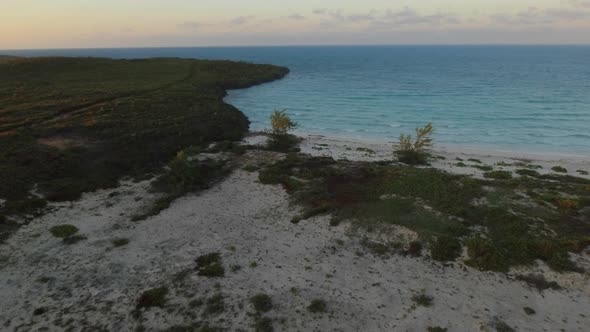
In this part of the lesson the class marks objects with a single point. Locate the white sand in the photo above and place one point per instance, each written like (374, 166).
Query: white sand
(95, 285)
(341, 148)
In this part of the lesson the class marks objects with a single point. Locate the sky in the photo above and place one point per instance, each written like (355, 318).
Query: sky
(35, 24)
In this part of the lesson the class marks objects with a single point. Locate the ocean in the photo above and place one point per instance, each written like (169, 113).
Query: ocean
(529, 99)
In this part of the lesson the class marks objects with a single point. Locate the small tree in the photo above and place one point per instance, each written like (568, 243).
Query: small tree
(280, 139)
(281, 123)
(415, 152)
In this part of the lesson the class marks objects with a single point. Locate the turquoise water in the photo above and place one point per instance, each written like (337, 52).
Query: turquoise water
(517, 98)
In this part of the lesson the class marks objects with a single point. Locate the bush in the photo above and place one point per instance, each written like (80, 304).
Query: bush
(423, 300)
(317, 306)
(559, 169)
(283, 143)
(215, 305)
(209, 265)
(120, 242)
(263, 325)
(261, 302)
(280, 140)
(415, 153)
(415, 248)
(498, 175)
(63, 231)
(445, 248)
(528, 172)
(155, 297)
(281, 123)
(483, 255)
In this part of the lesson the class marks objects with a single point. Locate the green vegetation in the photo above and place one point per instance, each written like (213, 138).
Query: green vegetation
(261, 302)
(445, 248)
(528, 172)
(263, 324)
(214, 305)
(423, 300)
(498, 175)
(436, 329)
(280, 140)
(503, 222)
(415, 152)
(63, 231)
(120, 242)
(559, 169)
(317, 306)
(582, 172)
(155, 297)
(210, 265)
(73, 125)
(501, 326)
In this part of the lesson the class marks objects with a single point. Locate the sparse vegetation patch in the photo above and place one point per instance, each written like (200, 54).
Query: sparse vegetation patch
(63, 231)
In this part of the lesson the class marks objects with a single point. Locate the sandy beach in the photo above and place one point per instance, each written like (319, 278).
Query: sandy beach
(95, 285)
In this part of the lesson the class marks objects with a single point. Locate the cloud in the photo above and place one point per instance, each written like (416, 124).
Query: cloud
(297, 17)
(536, 16)
(580, 3)
(389, 19)
(190, 25)
(242, 20)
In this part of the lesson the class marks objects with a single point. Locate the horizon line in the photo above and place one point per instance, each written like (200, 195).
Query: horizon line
(291, 45)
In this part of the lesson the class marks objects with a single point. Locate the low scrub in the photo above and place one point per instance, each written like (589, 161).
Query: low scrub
(63, 231)
(445, 248)
(155, 297)
(261, 302)
(414, 151)
(317, 306)
(210, 265)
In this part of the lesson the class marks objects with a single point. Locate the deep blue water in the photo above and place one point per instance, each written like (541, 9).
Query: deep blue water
(517, 98)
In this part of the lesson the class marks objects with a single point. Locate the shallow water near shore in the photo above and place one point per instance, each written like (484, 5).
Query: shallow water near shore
(531, 99)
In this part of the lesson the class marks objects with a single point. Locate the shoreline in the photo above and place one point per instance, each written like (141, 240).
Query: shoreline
(448, 158)
(453, 148)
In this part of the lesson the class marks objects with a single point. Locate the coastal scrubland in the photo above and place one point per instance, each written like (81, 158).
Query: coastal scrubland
(199, 230)
(74, 125)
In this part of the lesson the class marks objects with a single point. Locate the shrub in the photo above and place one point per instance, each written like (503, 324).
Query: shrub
(63, 231)
(415, 248)
(209, 265)
(528, 172)
(437, 329)
(559, 169)
(261, 302)
(317, 306)
(155, 297)
(415, 152)
(263, 325)
(215, 305)
(120, 242)
(445, 248)
(281, 123)
(498, 175)
(567, 204)
(423, 300)
(484, 255)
